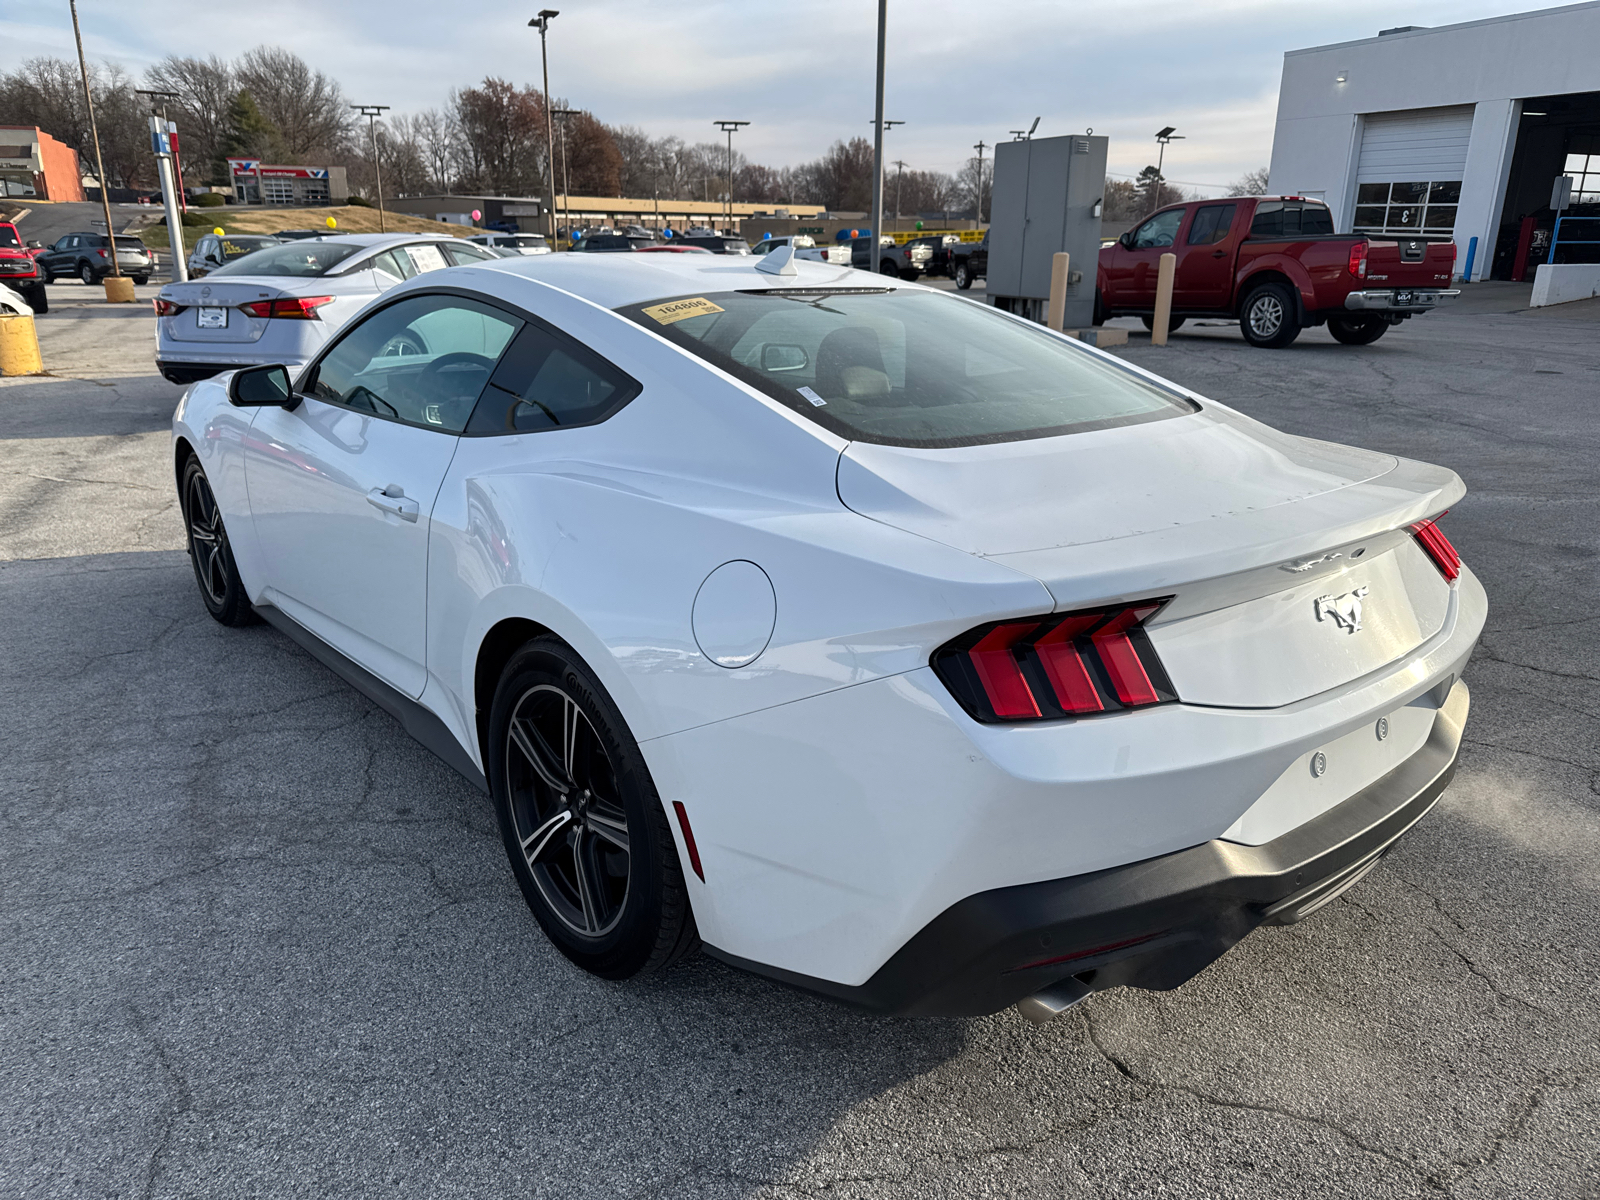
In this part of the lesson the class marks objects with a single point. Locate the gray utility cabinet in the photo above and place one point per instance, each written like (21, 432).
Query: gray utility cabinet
(1047, 193)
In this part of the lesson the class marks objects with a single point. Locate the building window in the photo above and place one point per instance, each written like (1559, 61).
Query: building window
(1424, 207)
(19, 184)
(1585, 172)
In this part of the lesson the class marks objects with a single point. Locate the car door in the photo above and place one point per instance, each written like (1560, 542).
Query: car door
(1204, 276)
(202, 251)
(62, 257)
(1132, 276)
(342, 486)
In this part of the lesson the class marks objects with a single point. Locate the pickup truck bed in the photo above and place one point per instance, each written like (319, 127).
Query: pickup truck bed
(1275, 264)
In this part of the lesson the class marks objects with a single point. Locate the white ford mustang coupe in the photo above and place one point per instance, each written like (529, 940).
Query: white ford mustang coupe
(883, 643)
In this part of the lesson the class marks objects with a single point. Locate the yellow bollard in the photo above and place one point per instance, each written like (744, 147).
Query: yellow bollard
(119, 289)
(1058, 289)
(19, 347)
(1163, 317)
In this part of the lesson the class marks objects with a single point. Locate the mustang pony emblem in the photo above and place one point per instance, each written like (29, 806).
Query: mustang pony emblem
(1344, 611)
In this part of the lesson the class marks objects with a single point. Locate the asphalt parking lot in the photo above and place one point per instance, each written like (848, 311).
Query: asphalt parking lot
(257, 942)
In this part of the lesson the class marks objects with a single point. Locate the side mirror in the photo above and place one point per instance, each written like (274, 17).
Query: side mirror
(778, 357)
(35, 245)
(262, 387)
(1127, 239)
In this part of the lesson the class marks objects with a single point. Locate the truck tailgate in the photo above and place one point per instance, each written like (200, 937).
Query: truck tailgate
(1409, 262)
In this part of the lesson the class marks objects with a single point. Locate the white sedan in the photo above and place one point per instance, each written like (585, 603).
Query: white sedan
(280, 304)
(883, 643)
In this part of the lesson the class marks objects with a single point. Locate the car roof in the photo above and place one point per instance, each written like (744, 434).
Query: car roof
(615, 280)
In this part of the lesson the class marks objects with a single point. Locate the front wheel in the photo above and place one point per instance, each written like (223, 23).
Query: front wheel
(86, 273)
(212, 557)
(963, 276)
(1357, 331)
(583, 826)
(1268, 317)
(45, 274)
(1100, 314)
(1173, 323)
(37, 298)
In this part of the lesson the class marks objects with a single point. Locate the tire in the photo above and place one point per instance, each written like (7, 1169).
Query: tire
(86, 273)
(963, 277)
(45, 274)
(1355, 331)
(1173, 323)
(37, 298)
(1099, 317)
(886, 267)
(1267, 318)
(215, 572)
(140, 280)
(600, 872)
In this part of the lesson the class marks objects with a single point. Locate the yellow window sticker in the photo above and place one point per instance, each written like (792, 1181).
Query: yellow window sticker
(680, 310)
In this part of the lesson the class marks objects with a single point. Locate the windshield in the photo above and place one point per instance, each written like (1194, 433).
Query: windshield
(238, 247)
(908, 368)
(8, 236)
(303, 259)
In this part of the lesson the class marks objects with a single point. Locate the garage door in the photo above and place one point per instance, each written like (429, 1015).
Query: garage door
(1408, 178)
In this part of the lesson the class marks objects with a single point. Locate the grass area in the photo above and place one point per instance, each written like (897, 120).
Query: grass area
(349, 219)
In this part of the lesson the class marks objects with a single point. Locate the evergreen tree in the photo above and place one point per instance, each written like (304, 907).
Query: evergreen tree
(248, 134)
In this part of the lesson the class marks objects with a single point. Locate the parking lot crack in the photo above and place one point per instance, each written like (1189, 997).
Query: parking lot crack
(1489, 980)
(180, 1099)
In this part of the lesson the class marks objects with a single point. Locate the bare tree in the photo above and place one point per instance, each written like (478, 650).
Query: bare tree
(975, 185)
(308, 108)
(48, 92)
(1251, 183)
(205, 89)
(502, 136)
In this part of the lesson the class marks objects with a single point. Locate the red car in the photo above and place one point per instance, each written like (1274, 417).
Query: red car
(1275, 263)
(19, 271)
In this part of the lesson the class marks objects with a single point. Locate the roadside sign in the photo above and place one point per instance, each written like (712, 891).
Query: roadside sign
(1561, 192)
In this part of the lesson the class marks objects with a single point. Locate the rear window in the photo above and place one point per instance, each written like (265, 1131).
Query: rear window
(304, 260)
(907, 368)
(1291, 218)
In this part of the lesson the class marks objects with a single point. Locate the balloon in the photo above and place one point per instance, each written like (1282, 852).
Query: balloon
(476, 215)
(217, 231)
(767, 236)
(332, 224)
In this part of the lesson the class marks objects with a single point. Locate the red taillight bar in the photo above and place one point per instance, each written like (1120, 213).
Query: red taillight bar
(1358, 260)
(1059, 665)
(1438, 547)
(300, 308)
(166, 308)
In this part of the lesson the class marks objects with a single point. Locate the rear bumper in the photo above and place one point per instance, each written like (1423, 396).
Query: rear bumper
(194, 372)
(1390, 299)
(1150, 924)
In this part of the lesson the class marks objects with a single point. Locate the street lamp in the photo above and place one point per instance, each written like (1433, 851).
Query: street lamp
(899, 172)
(542, 24)
(1162, 138)
(729, 127)
(372, 112)
(566, 175)
(99, 163)
(876, 231)
(980, 147)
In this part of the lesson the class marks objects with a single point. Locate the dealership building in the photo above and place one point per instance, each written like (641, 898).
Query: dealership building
(256, 182)
(1456, 131)
(34, 166)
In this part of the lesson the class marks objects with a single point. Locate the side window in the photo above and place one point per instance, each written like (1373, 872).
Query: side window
(396, 266)
(1159, 230)
(422, 361)
(548, 381)
(1211, 225)
(463, 255)
(1268, 221)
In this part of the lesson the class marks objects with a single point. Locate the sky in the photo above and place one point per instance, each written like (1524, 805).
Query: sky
(957, 73)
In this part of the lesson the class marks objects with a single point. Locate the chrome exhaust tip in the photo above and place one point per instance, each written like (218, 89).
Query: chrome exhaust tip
(1046, 1005)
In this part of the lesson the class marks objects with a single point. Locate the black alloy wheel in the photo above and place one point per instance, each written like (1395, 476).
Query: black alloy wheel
(963, 276)
(45, 274)
(1357, 331)
(1173, 323)
(583, 826)
(1268, 318)
(886, 267)
(209, 552)
(86, 273)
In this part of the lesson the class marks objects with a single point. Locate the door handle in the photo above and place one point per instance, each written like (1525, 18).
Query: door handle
(393, 499)
(1219, 254)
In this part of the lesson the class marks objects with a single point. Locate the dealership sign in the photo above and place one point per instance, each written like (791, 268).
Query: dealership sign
(255, 167)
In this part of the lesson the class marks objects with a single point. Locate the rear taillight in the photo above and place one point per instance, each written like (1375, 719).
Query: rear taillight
(101, 253)
(1358, 260)
(1054, 666)
(166, 308)
(299, 308)
(1433, 540)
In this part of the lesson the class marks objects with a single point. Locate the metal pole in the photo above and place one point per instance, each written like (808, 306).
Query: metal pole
(978, 212)
(1155, 192)
(372, 112)
(542, 23)
(876, 231)
(730, 128)
(94, 132)
(180, 265)
(566, 175)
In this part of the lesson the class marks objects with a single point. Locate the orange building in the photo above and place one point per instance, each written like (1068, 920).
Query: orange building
(34, 166)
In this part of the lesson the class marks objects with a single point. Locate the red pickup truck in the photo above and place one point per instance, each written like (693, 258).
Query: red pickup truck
(1275, 263)
(19, 270)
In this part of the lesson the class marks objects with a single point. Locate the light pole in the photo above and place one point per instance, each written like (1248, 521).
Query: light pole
(729, 128)
(94, 132)
(876, 231)
(542, 24)
(566, 175)
(372, 112)
(980, 148)
(899, 170)
(1166, 135)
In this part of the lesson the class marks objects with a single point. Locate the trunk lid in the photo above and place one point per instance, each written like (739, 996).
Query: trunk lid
(225, 296)
(1409, 262)
(1245, 527)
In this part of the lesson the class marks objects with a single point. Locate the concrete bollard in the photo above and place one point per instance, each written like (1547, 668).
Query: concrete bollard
(1058, 290)
(1163, 317)
(119, 289)
(19, 347)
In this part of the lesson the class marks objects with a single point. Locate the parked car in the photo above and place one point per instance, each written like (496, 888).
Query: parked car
(717, 243)
(19, 269)
(517, 243)
(903, 262)
(671, 248)
(290, 235)
(1275, 263)
(281, 304)
(970, 262)
(607, 243)
(213, 250)
(885, 644)
(88, 256)
(941, 256)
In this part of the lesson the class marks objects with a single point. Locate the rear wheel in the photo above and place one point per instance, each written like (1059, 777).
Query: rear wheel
(887, 267)
(209, 551)
(1268, 317)
(86, 273)
(963, 276)
(37, 298)
(1353, 331)
(583, 827)
(1173, 323)
(1099, 308)
(141, 280)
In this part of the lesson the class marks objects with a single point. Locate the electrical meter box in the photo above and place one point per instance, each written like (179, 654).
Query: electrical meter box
(1046, 199)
